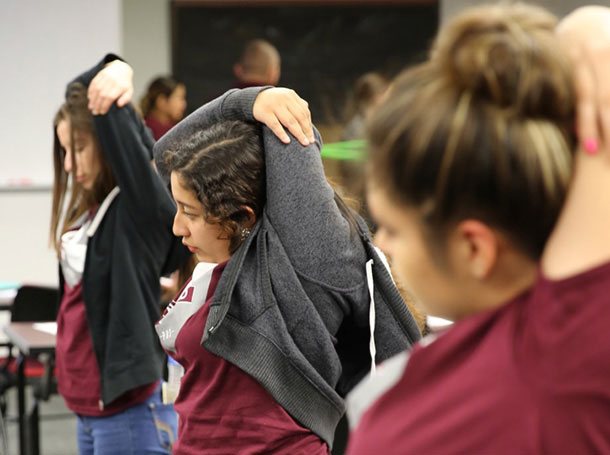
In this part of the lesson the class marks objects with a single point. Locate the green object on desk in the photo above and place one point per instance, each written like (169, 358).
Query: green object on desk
(346, 151)
(8, 285)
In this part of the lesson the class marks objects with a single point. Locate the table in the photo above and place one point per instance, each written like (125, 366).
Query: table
(6, 297)
(31, 343)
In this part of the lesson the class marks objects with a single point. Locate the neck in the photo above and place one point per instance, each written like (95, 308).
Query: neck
(513, 274)
(255, 79)
(160, 116)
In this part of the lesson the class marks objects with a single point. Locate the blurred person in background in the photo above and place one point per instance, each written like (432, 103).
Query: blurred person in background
(258, 65)
(163, 105)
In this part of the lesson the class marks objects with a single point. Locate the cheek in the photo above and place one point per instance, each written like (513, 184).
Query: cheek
(402, 261)
(94, 162)
(177, 106)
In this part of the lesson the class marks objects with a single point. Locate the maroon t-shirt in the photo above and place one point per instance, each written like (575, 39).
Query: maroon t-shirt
(78, 377)
(222, 409)
(530, 377)
(157, 128)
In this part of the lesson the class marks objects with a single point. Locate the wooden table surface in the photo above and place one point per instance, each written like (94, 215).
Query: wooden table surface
(29, 340)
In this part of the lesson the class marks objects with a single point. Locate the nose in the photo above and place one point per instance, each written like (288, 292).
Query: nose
(178, 227)
(68, 162)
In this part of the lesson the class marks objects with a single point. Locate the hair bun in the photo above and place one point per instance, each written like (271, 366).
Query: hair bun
(506, 55)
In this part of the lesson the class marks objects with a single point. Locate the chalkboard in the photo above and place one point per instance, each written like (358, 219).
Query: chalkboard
(323, 48)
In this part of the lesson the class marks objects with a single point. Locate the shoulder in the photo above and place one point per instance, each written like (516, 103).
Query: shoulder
(366, 393)
(569, 318)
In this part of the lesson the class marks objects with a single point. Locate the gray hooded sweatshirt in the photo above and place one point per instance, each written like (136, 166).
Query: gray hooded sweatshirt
(292, 308)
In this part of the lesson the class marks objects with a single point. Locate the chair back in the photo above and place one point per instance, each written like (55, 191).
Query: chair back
(35, 303)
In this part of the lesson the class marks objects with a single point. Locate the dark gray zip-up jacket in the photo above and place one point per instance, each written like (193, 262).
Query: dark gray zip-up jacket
(292, 306)
(131, 248)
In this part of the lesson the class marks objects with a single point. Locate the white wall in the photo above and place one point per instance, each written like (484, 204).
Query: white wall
(43, 44)
(146, 40)
(26, 257)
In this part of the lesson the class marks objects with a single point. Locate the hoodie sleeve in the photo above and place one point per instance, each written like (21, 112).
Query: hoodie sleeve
(300, 202)
(301, 207)
(127, 147)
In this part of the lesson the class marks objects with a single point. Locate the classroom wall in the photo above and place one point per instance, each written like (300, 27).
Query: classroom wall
(146, 40)
(42, 45)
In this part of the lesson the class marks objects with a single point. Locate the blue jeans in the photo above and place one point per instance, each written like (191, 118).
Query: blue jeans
(146, 428)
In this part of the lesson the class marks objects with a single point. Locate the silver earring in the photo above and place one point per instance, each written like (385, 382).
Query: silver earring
(244, 233)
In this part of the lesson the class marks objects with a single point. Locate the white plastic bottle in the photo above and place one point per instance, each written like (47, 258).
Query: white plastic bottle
(174, 376)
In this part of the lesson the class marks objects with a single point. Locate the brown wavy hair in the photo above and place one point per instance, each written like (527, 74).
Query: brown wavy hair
(224, 166)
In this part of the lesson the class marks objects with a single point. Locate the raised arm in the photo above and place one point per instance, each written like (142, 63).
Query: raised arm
(233, 105)
(585, 37)
(112, 80)
(109, 81)
(275, 107)
(301, 208)
(580, 240)
(127, 146)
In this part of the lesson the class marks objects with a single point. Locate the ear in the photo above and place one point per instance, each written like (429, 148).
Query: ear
(477, 248)
(249, 218)
(273, 76)
(161, 102)
(238, 71)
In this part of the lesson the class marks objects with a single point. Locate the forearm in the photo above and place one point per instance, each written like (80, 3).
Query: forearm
(128, 154)
(580, 240)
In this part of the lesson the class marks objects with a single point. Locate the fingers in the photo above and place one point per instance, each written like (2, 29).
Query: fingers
(299, 119)
(274, 125)
(585, 35)
(281, 108)
(102, 93)
(602, 85)
(125, 98)
(113, 83)
(94, 93)
(291, 121)
(302, 114)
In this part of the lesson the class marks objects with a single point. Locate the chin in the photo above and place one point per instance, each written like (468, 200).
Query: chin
(87, 185)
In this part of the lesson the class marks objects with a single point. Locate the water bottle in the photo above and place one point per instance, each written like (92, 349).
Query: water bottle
(172, 386)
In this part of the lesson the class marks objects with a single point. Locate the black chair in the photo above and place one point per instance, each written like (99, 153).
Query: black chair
(31, 303)
(35, 303)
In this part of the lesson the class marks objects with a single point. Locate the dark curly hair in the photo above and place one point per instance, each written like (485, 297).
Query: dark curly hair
(225, 166)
